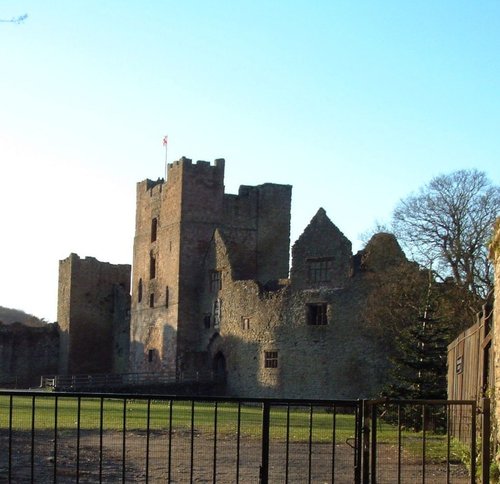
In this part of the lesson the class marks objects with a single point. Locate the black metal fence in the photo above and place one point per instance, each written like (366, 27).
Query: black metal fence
(418, 441)
(86, 382)
(70, 437)
(75, 437)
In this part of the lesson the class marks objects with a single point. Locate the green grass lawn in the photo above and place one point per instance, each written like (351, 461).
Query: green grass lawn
(136, 417)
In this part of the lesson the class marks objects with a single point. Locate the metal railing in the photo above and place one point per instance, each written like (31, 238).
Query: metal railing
(111, 380)
(72, 437)
(417, 441)
(104, 437)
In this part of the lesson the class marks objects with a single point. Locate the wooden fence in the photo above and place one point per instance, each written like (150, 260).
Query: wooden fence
(470, 359)
(470, 370)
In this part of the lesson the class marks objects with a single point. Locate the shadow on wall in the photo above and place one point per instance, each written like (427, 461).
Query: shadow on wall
(242, 365)
(27, 353)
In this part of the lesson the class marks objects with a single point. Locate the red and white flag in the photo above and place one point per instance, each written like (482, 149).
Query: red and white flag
(165, 140)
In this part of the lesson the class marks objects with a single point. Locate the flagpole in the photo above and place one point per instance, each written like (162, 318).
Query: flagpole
(165, 144)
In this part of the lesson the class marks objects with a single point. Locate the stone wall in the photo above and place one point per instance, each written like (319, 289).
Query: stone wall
(495, 257)
(335, 357)
(27, 353)
(93, 316)
(169, 272)
(211, 292)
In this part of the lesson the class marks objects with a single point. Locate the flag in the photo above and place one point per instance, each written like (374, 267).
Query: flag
(165, 140)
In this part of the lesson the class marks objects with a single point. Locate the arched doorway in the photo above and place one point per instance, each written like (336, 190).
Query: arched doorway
(219, 367)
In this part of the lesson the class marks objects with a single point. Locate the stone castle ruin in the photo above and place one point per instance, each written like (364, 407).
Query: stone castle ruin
(212, 294)
(212, 291)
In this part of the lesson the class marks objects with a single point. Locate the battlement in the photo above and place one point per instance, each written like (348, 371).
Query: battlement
(151, 186)
(188, 162)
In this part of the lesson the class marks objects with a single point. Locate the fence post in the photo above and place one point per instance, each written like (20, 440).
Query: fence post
(473, 443)
(366, 444)
(358, 452)
(485, 440)
(264, 467)
(373, 466)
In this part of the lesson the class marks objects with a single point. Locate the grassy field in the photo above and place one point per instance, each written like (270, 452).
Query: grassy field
(135, 414)
(201, 417)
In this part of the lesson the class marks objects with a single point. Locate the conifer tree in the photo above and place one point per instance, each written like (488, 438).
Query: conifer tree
(419, 364)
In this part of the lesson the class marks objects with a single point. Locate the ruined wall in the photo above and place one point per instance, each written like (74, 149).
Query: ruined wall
(256, 225)
(188, 207)
(321, 255)
(27, 353)
(274, 342)
(155, 296)
(93, 315)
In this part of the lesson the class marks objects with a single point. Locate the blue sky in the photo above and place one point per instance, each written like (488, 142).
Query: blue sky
(356, 104)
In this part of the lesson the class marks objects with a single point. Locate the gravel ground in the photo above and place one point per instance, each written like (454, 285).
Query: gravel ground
(201, 467)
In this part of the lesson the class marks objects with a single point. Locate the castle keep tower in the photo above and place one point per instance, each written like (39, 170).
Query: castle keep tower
(92, 313)
(175, 222)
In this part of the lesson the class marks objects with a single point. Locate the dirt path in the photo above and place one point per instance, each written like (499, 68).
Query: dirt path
(201, 468)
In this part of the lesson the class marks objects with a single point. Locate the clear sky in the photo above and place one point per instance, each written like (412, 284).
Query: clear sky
(355, 104)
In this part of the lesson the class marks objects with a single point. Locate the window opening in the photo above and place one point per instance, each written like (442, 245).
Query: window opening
(217, 312)
(207, 319)
(317, 314)
(139, 291)
(319, 270)
(154, 229)
(167, 296)
(245, 323)
(215, 281)
(152, 300)
(152, 266)
(271, 359)
(151, 354)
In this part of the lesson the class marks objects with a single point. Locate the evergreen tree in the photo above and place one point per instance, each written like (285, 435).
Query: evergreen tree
(419, 365)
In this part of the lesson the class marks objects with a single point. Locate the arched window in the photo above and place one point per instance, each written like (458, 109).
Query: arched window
(167, 296)
(139, 291)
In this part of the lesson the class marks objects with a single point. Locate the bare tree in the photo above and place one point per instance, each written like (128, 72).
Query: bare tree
(447, 226)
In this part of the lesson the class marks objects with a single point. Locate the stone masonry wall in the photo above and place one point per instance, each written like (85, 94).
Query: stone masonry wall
(27, 353)
(339, 359)
(93, 314)
(495, 257)
(188, 207)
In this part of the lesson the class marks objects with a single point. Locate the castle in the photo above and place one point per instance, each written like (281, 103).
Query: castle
(212, 295)
(212, 291)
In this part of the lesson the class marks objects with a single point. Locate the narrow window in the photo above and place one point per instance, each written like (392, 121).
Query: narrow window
(167, 295)
(154, 229)
(319, 270)
(245, 323)
(151, 354)
(152, 300)
(152, 266)
(271, 359)
(215, 281)
(217, 312)
(139, 291)
(317, 314)
(207, 320)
